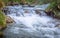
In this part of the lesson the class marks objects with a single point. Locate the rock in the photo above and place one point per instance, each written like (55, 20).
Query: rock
(38, 12)
(5, 10)
(31, 5)
(2, 28)
(9, 19)
(58, 6)
(24, 5)
(26, 11)
(50, 13)
(53, 13)
(58, 25)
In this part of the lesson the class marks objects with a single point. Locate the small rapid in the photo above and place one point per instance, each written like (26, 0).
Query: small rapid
(31, 22)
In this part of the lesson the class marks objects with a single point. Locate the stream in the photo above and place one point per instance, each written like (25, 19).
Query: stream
(29, 24)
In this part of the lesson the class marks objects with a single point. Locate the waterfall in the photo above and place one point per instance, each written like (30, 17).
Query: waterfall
(31, 22)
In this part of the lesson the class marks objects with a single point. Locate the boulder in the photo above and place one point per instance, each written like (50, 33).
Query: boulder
(9, 19)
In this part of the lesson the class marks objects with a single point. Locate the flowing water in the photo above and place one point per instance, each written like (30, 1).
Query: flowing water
(29, 24)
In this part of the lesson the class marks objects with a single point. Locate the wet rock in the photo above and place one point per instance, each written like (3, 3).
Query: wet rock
(9, 20)
(2, 28)
(24, 5)
(31, 5)
(38, 12)
(58, 25)
(26, 11)
(5, 10)
(58, 6)
(55, 14)
(49, 13)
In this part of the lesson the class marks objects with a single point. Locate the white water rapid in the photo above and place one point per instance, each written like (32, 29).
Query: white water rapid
(28, 24)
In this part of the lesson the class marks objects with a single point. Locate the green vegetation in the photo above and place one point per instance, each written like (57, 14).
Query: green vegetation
(2, 22)
(54, 7)
(2, 19)
(30, 1)
(2, 16)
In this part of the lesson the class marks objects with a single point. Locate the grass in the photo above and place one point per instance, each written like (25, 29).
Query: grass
(2, 19)
(30, 1)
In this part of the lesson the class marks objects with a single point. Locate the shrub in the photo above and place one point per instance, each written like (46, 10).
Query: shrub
(2, 19)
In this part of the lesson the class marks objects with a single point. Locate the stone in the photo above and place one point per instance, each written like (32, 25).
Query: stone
(5, 10)
(58, 25)
(26, 11)
(9, 19)
(37, 11)
(2, 27)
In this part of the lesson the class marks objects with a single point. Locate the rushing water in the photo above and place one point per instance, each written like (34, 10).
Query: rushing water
(28, 24)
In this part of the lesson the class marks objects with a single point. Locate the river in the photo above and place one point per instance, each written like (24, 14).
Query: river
(29, 24)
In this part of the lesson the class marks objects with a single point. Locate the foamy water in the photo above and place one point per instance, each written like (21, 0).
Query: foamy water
(28, 24)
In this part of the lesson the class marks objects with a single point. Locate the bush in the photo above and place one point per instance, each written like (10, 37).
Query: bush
(2, 19)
